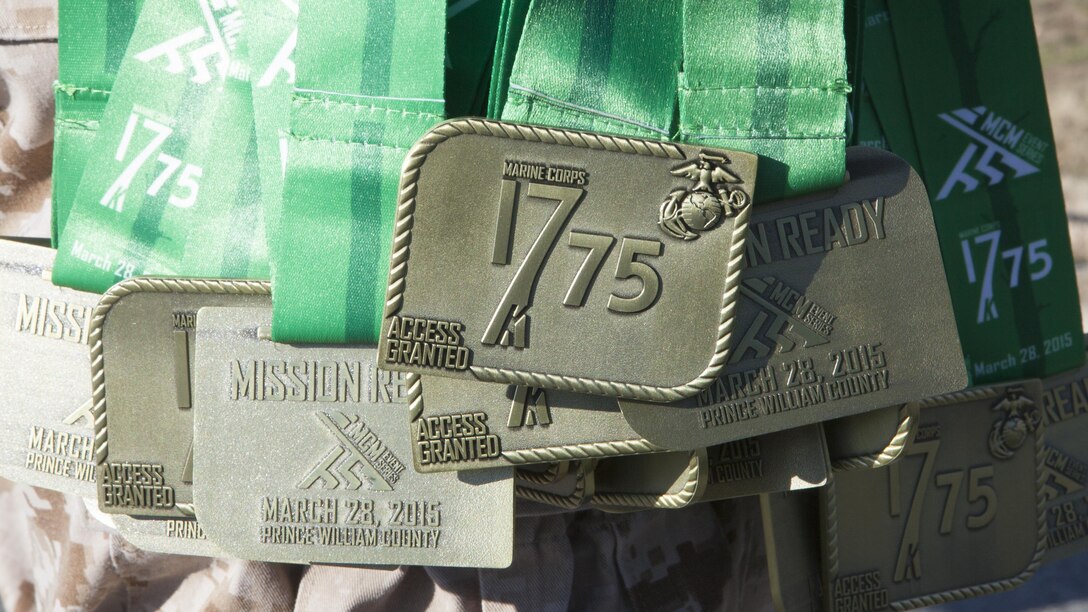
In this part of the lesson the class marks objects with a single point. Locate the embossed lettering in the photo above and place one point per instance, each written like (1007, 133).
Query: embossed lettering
(52, 319)
(805, 234)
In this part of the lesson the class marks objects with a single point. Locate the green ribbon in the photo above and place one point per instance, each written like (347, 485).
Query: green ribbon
(93, 36)
(369, 84)
(174, 188)
(764, 76)
(768, 77)
(471, 30)
(271, 36)
(598, 65)
(511, 23)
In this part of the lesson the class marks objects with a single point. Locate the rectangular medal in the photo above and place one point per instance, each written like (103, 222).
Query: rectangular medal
(960, 514)
(792, 537)
(327, 478)
(1065, 412)
(46, 426)
(142, 349)
(836, 288)
(575, 257)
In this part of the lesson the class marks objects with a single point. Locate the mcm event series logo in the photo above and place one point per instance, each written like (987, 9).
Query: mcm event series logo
(1020, 419)
(204, 46)
(699, 208)
(359, 456)
(1065, 474)
(785, 320)
(998, 147)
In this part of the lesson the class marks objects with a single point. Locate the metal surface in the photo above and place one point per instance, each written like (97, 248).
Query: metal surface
(792, 537)
(464, 425)
(302, 454)
(844, 308)
(176, 536)
(870, 439)
(143, 429)
(667, 480)
(569, 489)
(169, 536)
(961, 514)
(788, 460)
(46, 426)
(1065, 412)
(553, 259)
(783, 461)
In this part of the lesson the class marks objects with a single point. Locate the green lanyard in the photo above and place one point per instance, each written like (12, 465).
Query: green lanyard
(602, 66)
(768, 77)
(369, 83)
(271, 37)
(765, 76)
(172, 191)
(93, 37)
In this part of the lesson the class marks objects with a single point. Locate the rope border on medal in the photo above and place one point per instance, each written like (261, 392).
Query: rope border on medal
(94, 339)
(908, 421)
(997, 586)
(687, 494)
(587, 450)
(583, 476)
(554, 472)
(402, 238)
(544, 454)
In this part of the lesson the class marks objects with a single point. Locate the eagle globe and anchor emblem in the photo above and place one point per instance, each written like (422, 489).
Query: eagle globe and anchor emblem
(1020, 419)
(687, 212)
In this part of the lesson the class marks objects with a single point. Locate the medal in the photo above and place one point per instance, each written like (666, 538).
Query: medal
(461, 425)
(1065, 413)
(577, 257)
(142, 349)
(836, 287)
(960, 513)
(567, 488)
(328, 479)
(788, 460)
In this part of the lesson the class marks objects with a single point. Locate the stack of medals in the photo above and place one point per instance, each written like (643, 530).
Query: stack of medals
(573, 320)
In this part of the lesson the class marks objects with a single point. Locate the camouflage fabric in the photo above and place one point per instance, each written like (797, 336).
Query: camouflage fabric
(54, 555)
(28, 67)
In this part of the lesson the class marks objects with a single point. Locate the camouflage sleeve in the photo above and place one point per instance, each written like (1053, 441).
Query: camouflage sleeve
(28, 68)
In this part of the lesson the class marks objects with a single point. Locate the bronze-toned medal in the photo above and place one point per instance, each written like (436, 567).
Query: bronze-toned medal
(788, 460)
(462, 425)
(844, 308)
(562, 487)
(961, 513)
(324, 474)
(142, 349)
(668, 480)
(566, 260)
